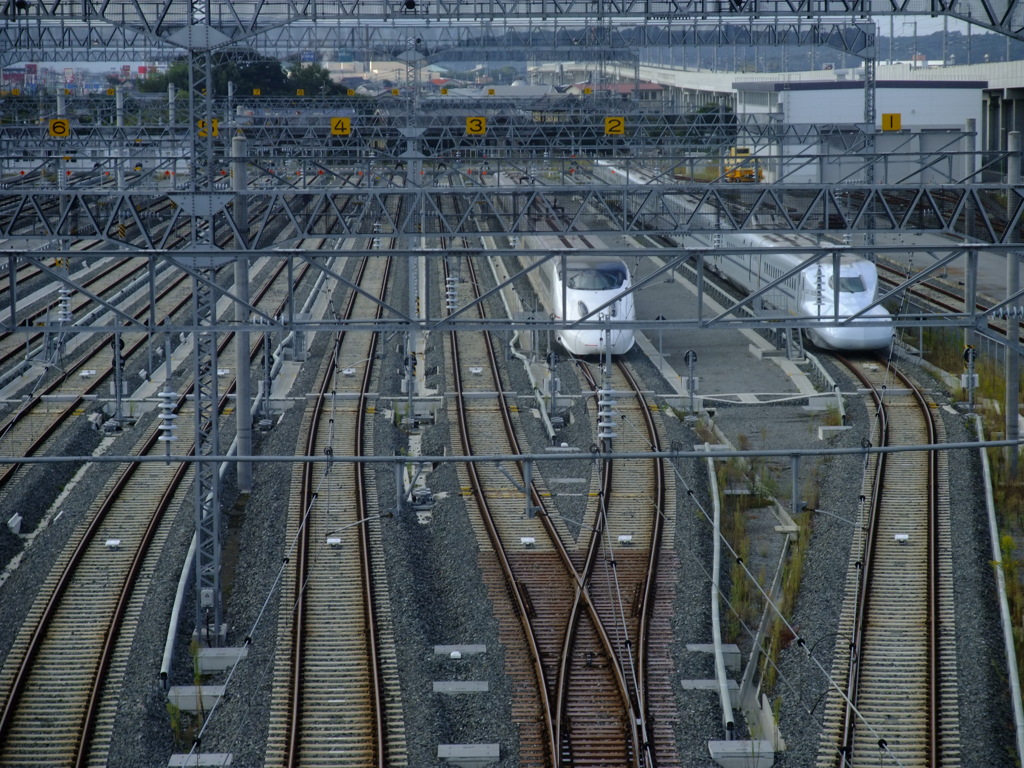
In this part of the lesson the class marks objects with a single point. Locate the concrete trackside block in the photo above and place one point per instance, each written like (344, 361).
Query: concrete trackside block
(220, 659)
(761, 352)
(730, 653)
(200, 760)
(824, 433)
(742, 754)
(187, 698)
(461, 686)
(469, 755)
(820, 403)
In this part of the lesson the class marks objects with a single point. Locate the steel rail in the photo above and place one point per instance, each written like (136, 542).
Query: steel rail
(867, 566)
(645, 602)
(580, 577)
(29, 320)
(39, 634)
(92, 710)
(101, 377)
(646, 605)
(920, 292)
(53, 603)
(583, 577)
(552, 745)
(299, 624)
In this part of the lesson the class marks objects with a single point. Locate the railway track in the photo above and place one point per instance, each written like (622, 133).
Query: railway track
(24, 273)
(559, 587)
(633, 523)
(639, 515)
(511, 592)
(337, 699)
(38, 419)
(63, 674)
(939, 294)
(897, 669)
(105, 280)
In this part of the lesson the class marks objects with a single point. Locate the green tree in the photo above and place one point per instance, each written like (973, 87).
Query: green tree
(312, 78)
(246, 71)
(155, 82)
(266, 74)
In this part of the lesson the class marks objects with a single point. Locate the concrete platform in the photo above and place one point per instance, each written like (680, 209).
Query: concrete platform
(732, 364)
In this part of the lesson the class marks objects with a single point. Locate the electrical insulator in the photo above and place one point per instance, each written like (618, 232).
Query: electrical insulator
(167, 426)
(1009, 312)
(606, 415)
(64, 306)
(451, 293)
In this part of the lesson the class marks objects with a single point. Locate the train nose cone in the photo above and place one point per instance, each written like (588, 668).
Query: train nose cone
(877, 337)
(857, 336)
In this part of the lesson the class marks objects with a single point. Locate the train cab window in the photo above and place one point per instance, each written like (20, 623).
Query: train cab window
(596, 278)
(848, 284)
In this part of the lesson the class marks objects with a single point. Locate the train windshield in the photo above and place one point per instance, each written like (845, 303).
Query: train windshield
(603, 277)
(848, 284)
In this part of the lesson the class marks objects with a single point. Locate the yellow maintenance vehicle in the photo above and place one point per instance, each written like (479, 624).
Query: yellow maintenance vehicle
(741, 166)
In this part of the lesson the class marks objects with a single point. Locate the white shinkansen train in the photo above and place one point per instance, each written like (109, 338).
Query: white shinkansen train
(589, 283)
(813, 292)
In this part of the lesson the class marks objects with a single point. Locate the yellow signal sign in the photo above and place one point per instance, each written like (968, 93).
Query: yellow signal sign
(587, 91)
(350, 92)
(257, 91)
(476, 126)
(202, 128)
(15, 91)
(891, 121)
(444, 91)
(491, 91)
(300, 91)
(394, 91)
(111, 91)
(67, 91)
(614, 126)
(341, 126)
(60, 128)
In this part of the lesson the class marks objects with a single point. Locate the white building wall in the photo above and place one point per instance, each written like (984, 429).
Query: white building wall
(919, 108)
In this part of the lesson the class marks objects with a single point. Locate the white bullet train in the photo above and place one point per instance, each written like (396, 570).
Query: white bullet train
(813, 292)
(591, 283)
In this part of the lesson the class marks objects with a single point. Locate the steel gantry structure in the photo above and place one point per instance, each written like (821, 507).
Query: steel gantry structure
(137, 214)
